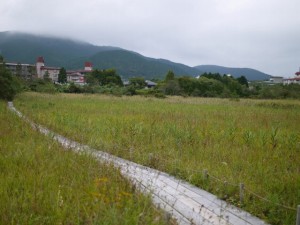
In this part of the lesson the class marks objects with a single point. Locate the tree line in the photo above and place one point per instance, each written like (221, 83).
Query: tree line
(109, 82)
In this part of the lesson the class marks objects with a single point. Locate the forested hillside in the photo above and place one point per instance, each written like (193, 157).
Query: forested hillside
(71, 54)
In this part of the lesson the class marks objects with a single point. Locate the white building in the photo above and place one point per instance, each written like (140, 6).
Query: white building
(295, 80)
(77, 76)
(42, 70)
(276, 80)
(39, 70)
(27, 71)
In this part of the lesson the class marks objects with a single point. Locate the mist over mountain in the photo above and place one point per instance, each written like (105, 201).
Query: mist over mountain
(22, 47)
(71, 54)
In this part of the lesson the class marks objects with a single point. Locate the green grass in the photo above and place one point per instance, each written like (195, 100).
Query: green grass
(41, 183)
(255, 142)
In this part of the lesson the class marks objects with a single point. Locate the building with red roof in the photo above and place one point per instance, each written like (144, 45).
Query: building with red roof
(295, 80)
(78, 76)
(39, 70)
(43, 71)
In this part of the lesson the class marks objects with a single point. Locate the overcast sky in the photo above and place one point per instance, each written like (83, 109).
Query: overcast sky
(260, 34)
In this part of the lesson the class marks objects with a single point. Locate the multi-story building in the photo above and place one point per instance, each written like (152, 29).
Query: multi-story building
(26, 71)
(43, 71)
(77, 76)
(276, 80)
(39, 70)
(295, 80)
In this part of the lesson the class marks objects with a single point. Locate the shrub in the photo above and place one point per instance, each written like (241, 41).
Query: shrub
(43, 86)
(73, 88)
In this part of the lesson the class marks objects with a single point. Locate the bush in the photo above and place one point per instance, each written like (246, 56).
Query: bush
(130, 90)
(73, 88)
(43, 86)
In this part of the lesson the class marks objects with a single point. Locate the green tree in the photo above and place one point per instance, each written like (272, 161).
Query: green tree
(171, 88)
(226, 86)
(137, 82)
(91, 80)
(107, 77)
(215, 76)
(213, 87)
(170, 76)
(187, 84)
(9, 85)
(62, 76)
(243, 81)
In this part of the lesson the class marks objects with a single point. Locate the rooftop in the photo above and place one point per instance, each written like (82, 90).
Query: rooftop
(40, 59)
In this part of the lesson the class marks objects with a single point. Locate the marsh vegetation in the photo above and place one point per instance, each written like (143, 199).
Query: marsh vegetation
(42, 183)
(255, 142)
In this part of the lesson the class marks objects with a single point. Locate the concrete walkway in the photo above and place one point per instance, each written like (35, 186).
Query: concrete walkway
(182, 201)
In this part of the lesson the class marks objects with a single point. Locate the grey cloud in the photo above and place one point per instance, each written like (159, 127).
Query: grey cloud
(244, 33)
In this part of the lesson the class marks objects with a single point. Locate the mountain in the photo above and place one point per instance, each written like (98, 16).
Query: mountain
(250, 74)
(59, 52)
(71, 54)
(134, 64)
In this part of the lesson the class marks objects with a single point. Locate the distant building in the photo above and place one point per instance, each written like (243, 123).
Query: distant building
(39, 70)
(88, 66)
(295, 80)
(150, 83)
(42, 70)
(77, 76)
(26, 71)
(276, 80)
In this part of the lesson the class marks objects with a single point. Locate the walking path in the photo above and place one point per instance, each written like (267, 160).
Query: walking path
(182, 201)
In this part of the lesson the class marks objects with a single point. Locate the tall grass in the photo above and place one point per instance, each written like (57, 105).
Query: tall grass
(255, 142)
(41, 183)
